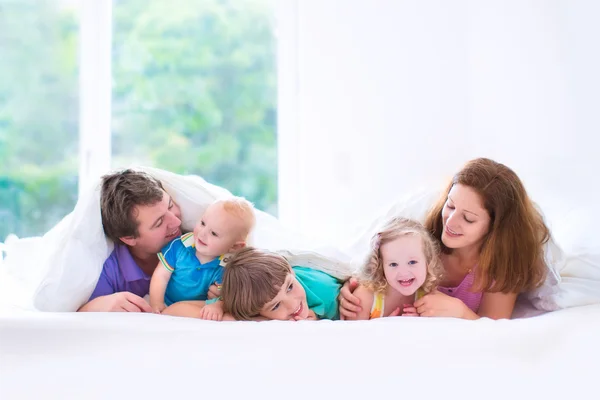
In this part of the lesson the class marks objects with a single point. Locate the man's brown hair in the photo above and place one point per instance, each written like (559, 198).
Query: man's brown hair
(251, 279)
(121, 192)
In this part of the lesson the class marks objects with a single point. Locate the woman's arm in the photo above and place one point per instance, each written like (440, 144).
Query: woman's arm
(497, 305)
(349, 304)
(493, 305)
(366, 300)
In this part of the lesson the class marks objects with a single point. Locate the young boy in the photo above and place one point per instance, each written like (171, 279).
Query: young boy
(189, 264)
(259, 284)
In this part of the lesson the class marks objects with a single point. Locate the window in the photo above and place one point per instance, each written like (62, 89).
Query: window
(194, 91)
(38, 114)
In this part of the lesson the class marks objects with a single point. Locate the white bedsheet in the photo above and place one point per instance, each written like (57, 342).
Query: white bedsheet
(94, 355)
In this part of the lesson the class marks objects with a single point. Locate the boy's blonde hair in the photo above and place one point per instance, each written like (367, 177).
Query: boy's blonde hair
(241, 208)
(251, 279)
(372, 274)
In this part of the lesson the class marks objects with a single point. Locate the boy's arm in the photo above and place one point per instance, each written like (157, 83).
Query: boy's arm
(366, 301)
(158, 287)
(190, 309)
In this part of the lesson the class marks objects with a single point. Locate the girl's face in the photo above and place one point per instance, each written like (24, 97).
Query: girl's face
(404, 264)
(465, 219)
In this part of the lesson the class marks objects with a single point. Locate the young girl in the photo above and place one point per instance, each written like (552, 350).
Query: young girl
(403, 265)
(492, 240)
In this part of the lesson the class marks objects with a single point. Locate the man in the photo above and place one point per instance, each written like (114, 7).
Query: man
(140, 218)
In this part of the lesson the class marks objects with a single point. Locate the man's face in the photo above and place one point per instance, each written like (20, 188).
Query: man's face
(158, 224)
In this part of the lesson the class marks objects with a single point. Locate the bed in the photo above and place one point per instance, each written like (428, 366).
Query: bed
(547, 350)
(119, 355)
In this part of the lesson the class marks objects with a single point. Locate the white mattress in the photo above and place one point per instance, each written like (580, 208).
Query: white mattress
(119, 355)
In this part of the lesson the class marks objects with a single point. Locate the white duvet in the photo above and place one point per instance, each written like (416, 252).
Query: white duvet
(145, 356)
(59, 271)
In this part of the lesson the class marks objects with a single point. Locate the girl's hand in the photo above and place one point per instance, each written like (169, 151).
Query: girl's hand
(409, 310)
(437, 304)
(349, 304)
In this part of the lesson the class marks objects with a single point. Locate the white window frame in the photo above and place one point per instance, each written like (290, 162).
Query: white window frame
(95, 90)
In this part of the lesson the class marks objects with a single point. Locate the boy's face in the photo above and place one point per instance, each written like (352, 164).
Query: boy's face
(290, 302)
(218, 232)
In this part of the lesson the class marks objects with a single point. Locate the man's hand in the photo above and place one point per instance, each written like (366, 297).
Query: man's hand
(117, 302)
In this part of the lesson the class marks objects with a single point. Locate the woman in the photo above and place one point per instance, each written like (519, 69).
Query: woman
(492, 240)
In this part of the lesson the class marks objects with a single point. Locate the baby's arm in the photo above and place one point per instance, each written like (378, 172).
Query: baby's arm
(158, 287)
(212, 311)
(366, 302)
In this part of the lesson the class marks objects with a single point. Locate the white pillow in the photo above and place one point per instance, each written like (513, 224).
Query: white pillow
(577, 232)
(59, 271)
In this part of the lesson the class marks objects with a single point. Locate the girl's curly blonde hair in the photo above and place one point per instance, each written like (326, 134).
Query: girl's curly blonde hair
(372, 274)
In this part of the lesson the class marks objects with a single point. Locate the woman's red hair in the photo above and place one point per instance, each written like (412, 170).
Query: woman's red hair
(511, 256)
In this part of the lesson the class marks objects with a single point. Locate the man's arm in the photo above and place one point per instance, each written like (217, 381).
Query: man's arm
(104, 298)
(121, 301)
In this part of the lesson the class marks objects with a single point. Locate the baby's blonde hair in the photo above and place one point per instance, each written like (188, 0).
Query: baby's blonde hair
(242, 209)
(372, 274)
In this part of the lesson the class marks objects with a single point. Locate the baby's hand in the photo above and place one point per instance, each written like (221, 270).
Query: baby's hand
(212, 311)
(409, 311)
(158, 308)
(214, 291)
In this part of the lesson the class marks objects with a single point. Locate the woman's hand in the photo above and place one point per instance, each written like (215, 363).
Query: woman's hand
(349, 304)
(437, 304)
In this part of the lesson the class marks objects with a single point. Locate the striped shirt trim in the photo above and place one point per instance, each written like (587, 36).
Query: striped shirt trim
(188, 240)
(165, 263)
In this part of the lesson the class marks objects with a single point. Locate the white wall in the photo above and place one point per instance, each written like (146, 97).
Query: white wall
(380, 97)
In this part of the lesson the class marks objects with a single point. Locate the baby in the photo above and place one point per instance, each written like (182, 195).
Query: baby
(192, 262)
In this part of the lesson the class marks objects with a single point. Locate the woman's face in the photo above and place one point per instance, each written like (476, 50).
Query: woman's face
(465, 220)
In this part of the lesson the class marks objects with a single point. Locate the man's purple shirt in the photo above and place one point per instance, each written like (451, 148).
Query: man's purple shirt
(121, 273)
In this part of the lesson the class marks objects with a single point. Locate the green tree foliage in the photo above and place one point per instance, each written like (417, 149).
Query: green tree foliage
(194, 92)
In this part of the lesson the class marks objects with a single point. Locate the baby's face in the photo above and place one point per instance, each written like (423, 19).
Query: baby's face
(218, 232)
(404, 264)
(289, 304)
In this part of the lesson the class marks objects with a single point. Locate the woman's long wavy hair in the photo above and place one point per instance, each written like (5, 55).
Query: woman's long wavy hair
(372, 274)
(511, 257)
